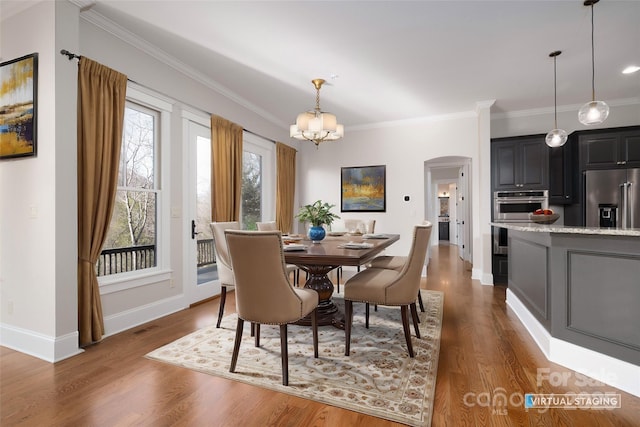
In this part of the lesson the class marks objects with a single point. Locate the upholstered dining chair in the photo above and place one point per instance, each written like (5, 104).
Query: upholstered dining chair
(383, 286)
(394, 262)
(365, 227)
(291, 268)
(223, 262)
(264, 294)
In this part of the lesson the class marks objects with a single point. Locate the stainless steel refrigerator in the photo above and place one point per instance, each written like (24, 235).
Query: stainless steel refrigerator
(613, 198)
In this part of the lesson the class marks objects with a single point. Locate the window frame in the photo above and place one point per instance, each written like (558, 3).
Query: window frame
(162, 271)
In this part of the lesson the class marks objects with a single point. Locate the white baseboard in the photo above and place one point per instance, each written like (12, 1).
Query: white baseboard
(45, 347)
(54, 349)
(137, 316)
(603, 368)
(484, 278)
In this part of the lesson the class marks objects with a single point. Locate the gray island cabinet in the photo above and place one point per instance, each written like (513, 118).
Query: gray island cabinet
(577, 286)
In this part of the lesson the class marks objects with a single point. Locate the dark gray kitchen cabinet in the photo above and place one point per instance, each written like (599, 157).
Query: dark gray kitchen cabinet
(520, 163)
(563, 181)
(610, 149)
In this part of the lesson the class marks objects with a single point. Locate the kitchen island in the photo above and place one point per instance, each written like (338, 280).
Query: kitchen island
(577, 290)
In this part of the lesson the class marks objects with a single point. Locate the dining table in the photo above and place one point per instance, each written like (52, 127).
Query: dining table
(319, 258)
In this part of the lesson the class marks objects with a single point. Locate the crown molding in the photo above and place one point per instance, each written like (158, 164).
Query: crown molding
(414, 121)
(561, 109)
(132, 39)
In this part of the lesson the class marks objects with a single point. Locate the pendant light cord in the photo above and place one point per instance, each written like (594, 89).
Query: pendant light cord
(555, 95)
(593, 62)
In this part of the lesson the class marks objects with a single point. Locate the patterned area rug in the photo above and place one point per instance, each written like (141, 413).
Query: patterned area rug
(378, 378)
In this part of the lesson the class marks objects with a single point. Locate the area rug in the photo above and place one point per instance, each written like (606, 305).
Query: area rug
(378, 378)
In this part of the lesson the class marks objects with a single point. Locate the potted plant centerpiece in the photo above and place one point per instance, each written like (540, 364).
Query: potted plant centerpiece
(317, 214)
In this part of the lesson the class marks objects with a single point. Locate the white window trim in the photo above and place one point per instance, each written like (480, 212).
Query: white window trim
(161, 272)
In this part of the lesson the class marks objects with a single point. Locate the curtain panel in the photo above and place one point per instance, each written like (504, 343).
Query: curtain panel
(226, 169)
(285, 186)
(101, 100)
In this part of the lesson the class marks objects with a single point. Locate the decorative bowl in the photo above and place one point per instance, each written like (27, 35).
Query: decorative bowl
(544, 219)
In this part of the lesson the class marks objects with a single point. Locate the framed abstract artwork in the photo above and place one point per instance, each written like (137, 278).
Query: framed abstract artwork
(18, 107)
(363, 189)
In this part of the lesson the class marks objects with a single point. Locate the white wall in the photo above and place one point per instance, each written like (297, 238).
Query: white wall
(38, 255)
(403, 148)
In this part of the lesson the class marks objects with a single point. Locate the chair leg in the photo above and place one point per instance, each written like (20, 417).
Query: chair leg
(257, 333)
(416, 320)
(420, 301)
(348, 320)
(366, 315)
(338, 270)
(236, 345)
(223, 298)
(314, 327)
(284, 351)
(405, 326)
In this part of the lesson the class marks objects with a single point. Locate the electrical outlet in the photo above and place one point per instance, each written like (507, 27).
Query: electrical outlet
(171, 284)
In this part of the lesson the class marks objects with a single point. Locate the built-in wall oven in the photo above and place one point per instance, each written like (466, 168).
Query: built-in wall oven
(514, 206)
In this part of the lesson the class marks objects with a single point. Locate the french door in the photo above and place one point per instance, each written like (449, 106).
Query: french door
(201, 269)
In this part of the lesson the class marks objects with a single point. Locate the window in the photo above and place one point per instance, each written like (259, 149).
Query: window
(258, 191)
(133, 241)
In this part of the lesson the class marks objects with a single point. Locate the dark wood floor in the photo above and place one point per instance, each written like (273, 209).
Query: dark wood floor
(485, 353)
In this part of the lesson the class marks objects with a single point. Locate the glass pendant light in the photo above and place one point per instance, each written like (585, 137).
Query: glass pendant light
(556, 137)
(594, 112)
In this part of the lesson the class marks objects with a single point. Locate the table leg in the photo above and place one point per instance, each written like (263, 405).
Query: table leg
(328, 312)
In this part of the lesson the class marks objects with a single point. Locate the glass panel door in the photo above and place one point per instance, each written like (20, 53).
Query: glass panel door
(202, 277)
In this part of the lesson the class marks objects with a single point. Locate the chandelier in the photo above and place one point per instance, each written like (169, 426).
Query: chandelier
(316, 125)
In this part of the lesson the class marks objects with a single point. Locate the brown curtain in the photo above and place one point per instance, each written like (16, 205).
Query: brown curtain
(226, 169)
(101, 99)
(285, 186)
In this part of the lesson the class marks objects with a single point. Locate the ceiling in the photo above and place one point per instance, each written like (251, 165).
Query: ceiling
(394, 60)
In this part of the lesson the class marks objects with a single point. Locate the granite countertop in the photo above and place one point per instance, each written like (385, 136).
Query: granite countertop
(566, 229)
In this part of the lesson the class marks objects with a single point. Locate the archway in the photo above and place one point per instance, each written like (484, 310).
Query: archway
(446, 170)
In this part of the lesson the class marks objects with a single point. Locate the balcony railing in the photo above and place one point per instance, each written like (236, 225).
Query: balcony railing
(132, 258)
(206, 254)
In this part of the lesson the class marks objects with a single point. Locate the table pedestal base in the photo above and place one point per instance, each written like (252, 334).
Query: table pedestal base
(328, 312)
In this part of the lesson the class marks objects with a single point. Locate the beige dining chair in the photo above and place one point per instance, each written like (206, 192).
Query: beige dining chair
(356, 225)
(223, 262)
(382, 286)
(395, 262)
(264, 294)
(291, 268)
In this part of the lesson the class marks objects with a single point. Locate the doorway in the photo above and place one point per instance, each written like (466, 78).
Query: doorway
(447, 200)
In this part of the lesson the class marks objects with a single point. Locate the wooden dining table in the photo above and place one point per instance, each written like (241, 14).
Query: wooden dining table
(318, 259)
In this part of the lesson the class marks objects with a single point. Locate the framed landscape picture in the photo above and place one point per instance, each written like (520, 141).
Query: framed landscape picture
(18, 107)
(363, 189)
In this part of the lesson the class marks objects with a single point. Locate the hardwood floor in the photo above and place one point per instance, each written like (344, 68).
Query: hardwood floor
(485, 353)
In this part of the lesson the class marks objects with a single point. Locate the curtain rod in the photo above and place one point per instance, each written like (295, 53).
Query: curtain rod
(71, 56)
(257, 134)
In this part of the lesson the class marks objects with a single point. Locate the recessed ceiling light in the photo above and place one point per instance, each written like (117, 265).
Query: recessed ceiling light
(631, 69)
